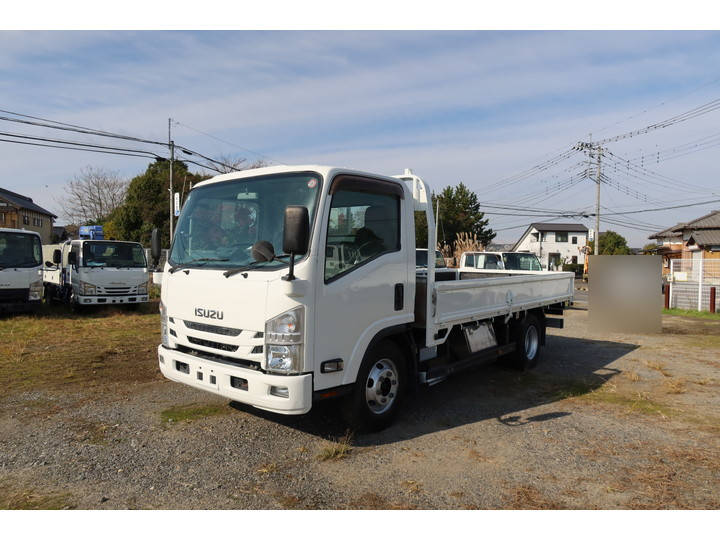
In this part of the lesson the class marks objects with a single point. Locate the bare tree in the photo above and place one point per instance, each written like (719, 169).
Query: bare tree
(93, 195)
(234, 163)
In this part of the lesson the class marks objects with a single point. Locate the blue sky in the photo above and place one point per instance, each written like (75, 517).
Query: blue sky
(476, 107)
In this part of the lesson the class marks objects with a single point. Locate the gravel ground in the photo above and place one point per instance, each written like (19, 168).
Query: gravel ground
(613, 421)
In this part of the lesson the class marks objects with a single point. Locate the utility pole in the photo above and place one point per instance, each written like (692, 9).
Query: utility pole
(590, 148)
(597, 202)
(171, 145)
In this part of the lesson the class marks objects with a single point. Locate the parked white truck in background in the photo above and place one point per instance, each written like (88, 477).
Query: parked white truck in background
(21, 274)
(255, 308)
(92, 272)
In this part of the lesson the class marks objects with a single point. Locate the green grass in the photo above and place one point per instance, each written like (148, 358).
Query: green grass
(692, 313)
(193, 411)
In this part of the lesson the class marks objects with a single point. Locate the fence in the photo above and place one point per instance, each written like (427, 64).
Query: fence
(691, 281)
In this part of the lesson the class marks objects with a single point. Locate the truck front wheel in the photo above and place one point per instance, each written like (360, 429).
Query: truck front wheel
(527, 343)
(379, 388)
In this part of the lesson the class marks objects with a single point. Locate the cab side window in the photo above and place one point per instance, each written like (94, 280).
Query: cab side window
(362, 227)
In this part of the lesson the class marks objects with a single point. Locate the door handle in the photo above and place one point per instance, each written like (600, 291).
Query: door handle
(399, 296)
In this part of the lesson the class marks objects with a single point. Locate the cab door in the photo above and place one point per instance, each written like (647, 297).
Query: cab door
(372, 288)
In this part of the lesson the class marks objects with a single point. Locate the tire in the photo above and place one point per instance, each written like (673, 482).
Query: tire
(527, 343)
(378, 390)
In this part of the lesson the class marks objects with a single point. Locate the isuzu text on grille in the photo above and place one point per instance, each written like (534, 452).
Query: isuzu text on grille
(208, 313)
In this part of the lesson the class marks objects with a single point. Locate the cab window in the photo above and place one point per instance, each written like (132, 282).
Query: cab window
(362, 226)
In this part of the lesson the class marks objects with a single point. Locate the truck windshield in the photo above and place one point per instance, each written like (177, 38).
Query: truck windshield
(220, 222)
(113, 255)
(19, 250)
(521, 261)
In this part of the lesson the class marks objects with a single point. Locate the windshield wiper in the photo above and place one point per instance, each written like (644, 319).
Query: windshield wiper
(234, 271)
(190, 263)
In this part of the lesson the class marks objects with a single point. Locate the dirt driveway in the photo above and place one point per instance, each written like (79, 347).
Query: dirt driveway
(612, 421)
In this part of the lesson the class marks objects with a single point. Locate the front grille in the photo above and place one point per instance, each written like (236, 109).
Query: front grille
(211, 328)
(116, 291)
(212, 344)
(14, 295)
(249, 364)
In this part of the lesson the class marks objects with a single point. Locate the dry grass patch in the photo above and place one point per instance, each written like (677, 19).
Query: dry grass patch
(675, 386)
(268, 468)
(56, 349)
(632, 375)
(528, 497)
(337, 450)
(657, 366)
(28, 499)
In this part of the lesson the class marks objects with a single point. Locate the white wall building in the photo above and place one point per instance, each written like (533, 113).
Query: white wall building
(555, 243)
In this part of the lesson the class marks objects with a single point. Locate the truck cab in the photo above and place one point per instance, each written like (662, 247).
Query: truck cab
(96, 272)
(286, 285)
(500, 260)
(21, 286)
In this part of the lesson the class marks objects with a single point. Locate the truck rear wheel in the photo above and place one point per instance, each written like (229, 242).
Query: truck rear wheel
(527, 343)
(378, 390)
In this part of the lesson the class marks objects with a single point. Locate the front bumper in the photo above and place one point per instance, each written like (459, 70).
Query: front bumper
(237, 383)
(104, 300)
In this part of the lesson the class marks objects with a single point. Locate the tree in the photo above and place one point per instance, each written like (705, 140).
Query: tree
(235, 163)
(147, 204)
(611, 243)
(459, 213)
(92, 196)
(650, 249)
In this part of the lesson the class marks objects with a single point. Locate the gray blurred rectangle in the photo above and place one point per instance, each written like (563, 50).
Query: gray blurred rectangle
(625, 293)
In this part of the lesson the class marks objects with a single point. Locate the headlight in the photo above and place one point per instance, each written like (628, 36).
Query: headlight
(143, 288)
(283, 341)
(164, 326)
(87, 289)
(36, 290)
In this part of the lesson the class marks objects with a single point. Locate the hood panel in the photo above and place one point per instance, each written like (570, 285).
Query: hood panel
(114, 277)
(208, 297)
(19, 278)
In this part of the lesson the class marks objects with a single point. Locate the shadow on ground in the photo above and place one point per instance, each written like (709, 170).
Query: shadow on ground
(570, 366)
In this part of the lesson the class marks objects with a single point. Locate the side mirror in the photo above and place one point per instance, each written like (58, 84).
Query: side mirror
(72, 259)
(155, 249)
(57, 256)
(296, 235)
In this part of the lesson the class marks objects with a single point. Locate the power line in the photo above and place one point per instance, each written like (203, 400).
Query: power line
(228, 142)
(74, 148)
(701, 110)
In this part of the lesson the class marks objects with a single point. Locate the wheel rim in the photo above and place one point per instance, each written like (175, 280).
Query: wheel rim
(532, 342)
(381, 386)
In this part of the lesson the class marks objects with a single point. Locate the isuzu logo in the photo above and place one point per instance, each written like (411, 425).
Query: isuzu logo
(208, 313)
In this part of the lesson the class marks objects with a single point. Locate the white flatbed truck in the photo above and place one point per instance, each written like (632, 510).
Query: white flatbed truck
(21, 287)
(96, 272)
(256, 310)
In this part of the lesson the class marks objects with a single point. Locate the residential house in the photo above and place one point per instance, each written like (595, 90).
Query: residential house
(670, 245)
(555, 243)
(696, 239)
(20, 212)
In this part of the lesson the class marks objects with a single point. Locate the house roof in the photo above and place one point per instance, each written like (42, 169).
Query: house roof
(671, 232)
(708, 221)
(550, 227)
(23, 202)
(706, 237)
